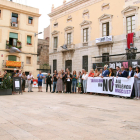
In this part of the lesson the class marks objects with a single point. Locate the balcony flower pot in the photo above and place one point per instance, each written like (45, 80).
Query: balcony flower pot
(5, 91)
(18, 44)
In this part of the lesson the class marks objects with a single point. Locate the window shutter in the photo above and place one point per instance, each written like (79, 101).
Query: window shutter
(13, 35)
(14, 15)
(30, 18)
(29, 39)
(85, 63)
(12, 58)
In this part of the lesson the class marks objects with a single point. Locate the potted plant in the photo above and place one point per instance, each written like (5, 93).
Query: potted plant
(18, 43)
(19, 47)
(7, 42)
(6, 86)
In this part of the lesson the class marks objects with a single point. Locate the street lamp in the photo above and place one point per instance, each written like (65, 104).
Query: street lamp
(38, 33)
(131, 53)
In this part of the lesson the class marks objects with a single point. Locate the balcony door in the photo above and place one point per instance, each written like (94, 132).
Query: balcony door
(13, 37)
(12, 58)
(14, 19)
(68, 64)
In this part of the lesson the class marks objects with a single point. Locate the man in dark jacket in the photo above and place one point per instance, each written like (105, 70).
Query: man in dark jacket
(48, 82)
(123, 73)
(131, 74)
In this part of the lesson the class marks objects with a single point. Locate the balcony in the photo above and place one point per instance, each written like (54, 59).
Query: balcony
(11, 65)
(8, 46)
(70, 47)
(14, 24)
(104, 40)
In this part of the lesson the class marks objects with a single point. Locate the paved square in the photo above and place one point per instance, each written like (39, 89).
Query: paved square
(53, 116)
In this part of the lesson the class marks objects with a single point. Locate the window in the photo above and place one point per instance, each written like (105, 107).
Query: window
(69, 38)
(56, 24)
(85, 63)
(68, 64)
(28, 60)
(85, 35)
(105, 29)
(55, 42)
(30, 20)
(12, 58)
(13, 37)
(54, 65)
(105, 57)
(29, 40)
(14, 18)
(130, 24)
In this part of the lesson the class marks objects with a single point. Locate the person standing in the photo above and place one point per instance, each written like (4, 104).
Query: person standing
(23, 81)
(100, 73)
(14, 74)
(74, 82)
(105, 72)
(117, 71)
(137, 83)
(123, 73)
(111, 73)
(40, 77)
(48, 82)
(131, 74)
(68, 78)
(59, 82)
(1, 77)
(96, 73)
(63, 79)
(82, 81)
(91, 74)
(79, 78)
(85, 77)
(30, 82)
(54, 81)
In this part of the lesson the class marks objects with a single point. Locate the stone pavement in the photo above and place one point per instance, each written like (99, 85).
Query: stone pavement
(53, 116)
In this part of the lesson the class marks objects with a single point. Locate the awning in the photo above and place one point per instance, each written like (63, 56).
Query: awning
(31, 18)
(14, 15)
(13, 35)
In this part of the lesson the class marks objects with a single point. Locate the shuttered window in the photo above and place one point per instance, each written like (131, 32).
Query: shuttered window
(30, 20)
(85, 35)
(105, 29)
(13, 35)
(12, 58)
(29, 39)
(105, 57)
(28, 60)
(85, 62)
(69, 38)
(130, 24)
(55, 42)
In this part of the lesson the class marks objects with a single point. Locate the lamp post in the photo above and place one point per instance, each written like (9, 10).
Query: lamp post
(131, 53)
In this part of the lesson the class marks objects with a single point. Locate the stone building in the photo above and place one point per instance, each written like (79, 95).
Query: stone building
(18, 28)
(47, 32)
(43, 55)
(95, 31)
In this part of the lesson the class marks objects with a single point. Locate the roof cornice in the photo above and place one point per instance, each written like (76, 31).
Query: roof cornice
(19, 10)
(66, 7)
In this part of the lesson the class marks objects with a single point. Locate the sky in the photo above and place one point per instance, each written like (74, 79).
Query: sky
(44, 9)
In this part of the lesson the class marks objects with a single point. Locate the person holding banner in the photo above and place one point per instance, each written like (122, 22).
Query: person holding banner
(111, 72)
(91, 74)
(105, 72)
(137, 83)
(123, 73)
(85, 77)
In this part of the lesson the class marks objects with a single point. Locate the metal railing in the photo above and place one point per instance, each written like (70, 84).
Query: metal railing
(4, 65)
(18, 45)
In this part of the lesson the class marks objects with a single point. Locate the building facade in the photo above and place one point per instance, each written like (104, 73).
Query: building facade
(18, 25)
(43, 55)
(47, 32)
(92, 28)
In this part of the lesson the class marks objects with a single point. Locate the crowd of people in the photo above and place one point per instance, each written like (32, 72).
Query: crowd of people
(71, 83)
(67, 83)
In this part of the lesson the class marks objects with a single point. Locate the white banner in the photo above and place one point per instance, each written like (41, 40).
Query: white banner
(109, 85)
(104, 39)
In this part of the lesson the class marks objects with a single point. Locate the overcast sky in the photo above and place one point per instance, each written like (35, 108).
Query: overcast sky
(44, 9)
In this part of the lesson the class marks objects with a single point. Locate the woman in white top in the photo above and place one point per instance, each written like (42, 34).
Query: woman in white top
(85, 77)
(137, 83)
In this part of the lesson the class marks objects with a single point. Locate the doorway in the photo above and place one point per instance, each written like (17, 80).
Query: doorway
(68, 64)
